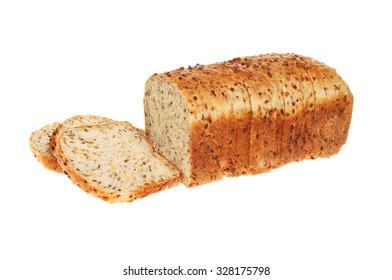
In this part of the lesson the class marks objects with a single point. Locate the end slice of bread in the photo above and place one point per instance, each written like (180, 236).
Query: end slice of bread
(114, 162)
(39, 145)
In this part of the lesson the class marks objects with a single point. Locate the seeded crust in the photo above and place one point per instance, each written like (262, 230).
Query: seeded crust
(269, 108)
(39, 145)
(114, 162)
(274, 64)
(320, 130)
(289, 107)
(338, 109)
(237, 98)
(266, 110)
(292, 91)
(306, 141)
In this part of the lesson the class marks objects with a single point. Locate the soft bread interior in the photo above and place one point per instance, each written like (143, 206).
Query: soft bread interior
(114, 157)
(167, 122)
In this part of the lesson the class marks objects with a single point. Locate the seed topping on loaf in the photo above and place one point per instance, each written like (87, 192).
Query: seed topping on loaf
(262, 111)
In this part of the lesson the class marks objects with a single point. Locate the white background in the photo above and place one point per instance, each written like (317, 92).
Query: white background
(322, 219)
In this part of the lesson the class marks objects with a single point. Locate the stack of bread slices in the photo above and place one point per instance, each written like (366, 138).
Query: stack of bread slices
(112, 160)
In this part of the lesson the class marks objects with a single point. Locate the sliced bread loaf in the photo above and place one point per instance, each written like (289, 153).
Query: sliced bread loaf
(289, 108)
(39, 145)
(113, 161)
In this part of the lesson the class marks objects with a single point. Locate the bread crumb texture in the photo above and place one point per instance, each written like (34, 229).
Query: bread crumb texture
(247, 115)
(114, 162)
(74, 121)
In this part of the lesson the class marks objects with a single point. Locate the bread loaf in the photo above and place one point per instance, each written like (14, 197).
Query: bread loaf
(247, 115)
(113, 161)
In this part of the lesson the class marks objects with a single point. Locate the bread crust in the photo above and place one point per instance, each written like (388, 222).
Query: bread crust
(48, 161)
(306, 146)
(267, 113)
(338, 109)
(295, 113)
(92, 188)
(274, 64)
(238, 102)
(320, 131)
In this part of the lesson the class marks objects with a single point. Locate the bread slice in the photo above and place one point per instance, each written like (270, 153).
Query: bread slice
(216, 111)
(320, 131)
(297, 90)
(114, 162)
(77, 120)
(237, 104)
(338, 109)
(307, 144)
(268, 113)
(39, 145)
(263, 111)
(284, 93)
(168, 119)
(292, 92)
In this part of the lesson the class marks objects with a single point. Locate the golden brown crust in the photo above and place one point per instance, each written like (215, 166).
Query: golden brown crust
(306, 151)
(266, 114)
(201, 151)
(47, 161)
(238, 102)
(295, 115)
(338, 109)
(317, 127)
(274, 64)
(91, 188)
(345, 110)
